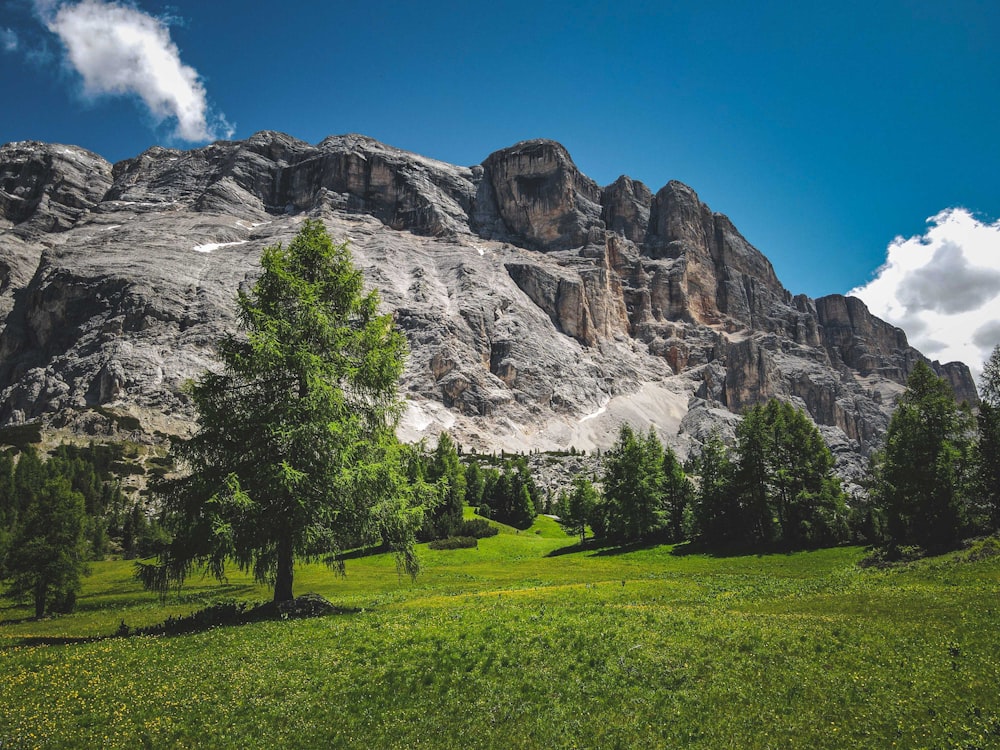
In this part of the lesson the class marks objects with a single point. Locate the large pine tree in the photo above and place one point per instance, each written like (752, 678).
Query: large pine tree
(634, 484)
(779, 489)
(920, 475)
(295, 455)
(48, 553)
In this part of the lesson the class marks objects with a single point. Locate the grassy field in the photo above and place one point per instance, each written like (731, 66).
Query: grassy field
(527, 642)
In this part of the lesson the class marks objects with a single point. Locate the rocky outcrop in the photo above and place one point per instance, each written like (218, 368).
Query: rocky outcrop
(541, 310)
(857, 340)
(625, 205)
(275, 174)
(48, 187)
(44, 188)
(533, 195)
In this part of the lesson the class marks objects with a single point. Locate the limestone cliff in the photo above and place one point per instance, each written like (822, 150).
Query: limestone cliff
(541, 309)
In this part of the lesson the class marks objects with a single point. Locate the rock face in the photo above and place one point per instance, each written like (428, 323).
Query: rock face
(541, 309)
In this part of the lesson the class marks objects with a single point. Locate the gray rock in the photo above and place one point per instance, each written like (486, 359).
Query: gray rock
(542, 311)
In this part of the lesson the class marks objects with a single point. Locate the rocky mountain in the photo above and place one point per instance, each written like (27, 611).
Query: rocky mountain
(542, 310)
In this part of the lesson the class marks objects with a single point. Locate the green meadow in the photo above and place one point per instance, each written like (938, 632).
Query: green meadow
(528, 641)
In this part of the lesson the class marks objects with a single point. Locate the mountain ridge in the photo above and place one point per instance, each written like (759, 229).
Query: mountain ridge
(542, 309)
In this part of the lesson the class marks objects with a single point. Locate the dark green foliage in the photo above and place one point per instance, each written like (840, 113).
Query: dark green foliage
(716, 519)
(8, 496)
(115, 522)
(921, 475)
(21, 436)
(455, 542)
(448, 474)
(295, 454)
(29, 476)
(91, 471)
(142, 536)
(475, 483)
(754, 449)
(8, 507)
(989, 383)
(478, 528)
(20, 487)
(778, 490)
(511, 496)
(788, 488)
(48, 550)
(678, 494)
(988, 421)
(633, 485)
(645, 489)
(577, 509)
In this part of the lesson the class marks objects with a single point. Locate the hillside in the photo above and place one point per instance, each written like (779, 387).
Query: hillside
(529, 642)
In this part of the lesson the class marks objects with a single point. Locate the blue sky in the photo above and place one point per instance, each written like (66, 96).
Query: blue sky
(823, 130)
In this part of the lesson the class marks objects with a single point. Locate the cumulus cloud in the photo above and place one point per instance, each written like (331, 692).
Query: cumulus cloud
(8, 39)
(943, 288)
(119, 50)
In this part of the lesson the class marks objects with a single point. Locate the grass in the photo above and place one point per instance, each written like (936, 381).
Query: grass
(509, 645)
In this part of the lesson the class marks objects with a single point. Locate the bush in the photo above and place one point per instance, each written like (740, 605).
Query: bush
(454, 542)
(887, 557)
(478, 528)
(983, 549)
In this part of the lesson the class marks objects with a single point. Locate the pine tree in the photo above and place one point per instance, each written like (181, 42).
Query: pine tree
(677, 495)
(805, 495)
(715, 515)
(46, 560)
(447, 471)
(8, 508)
(295, 455)
(29, 476)
(988, 421)
(577, 508)
(920, 474)
(633, 485)
(754, 448)
(475, 484)
(511, 496)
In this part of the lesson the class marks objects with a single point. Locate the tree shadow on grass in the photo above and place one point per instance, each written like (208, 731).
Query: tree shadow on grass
(604, 548)
(624, 549)
(355, 554)
(222, 614)
(16, 621)
(123, 597)
(683, 549)
(588, 546)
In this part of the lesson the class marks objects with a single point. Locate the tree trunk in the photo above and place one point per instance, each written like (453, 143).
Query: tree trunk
(283, 577)
(40, 590)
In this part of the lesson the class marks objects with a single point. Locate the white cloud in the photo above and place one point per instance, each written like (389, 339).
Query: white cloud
(119, 50)
(943, 288)
(8, 39)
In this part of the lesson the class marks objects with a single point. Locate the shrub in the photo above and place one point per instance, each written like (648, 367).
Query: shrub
(887, 557)
(478, 528)
(454, 542)
(983, 549)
